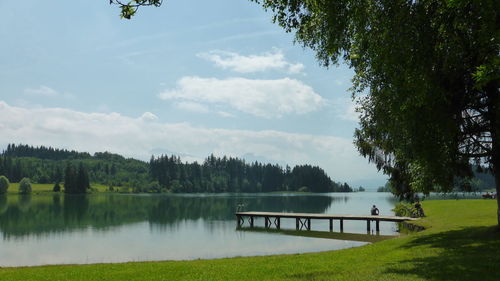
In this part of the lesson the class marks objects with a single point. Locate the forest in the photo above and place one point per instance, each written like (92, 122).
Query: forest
(162, 173)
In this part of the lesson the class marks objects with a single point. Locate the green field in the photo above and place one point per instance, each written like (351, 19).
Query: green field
(35, 187)
(43, 188)
(460, 243)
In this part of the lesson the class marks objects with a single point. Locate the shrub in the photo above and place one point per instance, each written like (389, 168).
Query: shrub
(25, 186)
(303, 189)
(57, 187)
(154, 187)
(406, 210)
(4, 184)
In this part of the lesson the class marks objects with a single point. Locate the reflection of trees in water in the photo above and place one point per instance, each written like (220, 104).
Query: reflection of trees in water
(75, 208)
(173, 208)
(42, 215)
(24, 202)
(3, 204)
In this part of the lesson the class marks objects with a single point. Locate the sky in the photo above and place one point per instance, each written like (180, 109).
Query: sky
(189, 78)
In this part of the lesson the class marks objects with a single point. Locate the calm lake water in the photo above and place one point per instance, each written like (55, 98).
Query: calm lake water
(59, 229)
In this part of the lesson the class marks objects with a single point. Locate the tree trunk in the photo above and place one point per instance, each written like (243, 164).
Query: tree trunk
(496, 173)
(494, 114)
(497, 182)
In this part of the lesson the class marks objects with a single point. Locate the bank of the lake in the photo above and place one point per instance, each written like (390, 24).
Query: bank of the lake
(460, 243)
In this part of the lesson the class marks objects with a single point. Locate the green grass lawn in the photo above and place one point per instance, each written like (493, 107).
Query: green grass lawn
(460, 243)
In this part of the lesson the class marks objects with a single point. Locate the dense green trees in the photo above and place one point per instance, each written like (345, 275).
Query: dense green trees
(47, 165)
(4, 184)
(12, 169)
(25, 186)
(161, 174)
(76, 180)
(23, 150)
(169, 174)
(225, 174)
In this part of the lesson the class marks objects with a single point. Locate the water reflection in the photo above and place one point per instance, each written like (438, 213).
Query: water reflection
(3, 204)
(42, 215)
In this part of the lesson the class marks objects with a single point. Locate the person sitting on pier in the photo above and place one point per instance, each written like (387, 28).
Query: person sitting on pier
(374, 211)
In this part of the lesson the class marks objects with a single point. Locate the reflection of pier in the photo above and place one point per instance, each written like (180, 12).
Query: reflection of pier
(321, 234)
(303, 220)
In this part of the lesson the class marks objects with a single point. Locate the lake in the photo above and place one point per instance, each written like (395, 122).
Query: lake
(100, 228)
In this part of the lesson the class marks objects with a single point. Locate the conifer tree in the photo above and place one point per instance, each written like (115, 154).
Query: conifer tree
(4, 184)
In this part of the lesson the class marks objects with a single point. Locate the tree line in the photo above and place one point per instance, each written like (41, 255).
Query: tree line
(48, 165)
(164, 173)
(229, 174)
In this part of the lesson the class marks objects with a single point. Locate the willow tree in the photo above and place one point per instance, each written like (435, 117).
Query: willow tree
(426, 81)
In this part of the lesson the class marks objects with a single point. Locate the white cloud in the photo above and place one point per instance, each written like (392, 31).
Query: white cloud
(45, 91)
(346, 109)
(226, 114)
(137, 137)
(148, 116)
(263, 98)
(253, 63)
(193, 107)
(200, 108)
(350, 113)
(42, 91)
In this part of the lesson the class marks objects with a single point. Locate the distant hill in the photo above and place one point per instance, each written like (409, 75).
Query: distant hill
(46, 165)
(164, 173)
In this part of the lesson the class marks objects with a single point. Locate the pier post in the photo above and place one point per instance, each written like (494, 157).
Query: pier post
(377, 226)
(240, 220)
(331, 225)
(266, 221)
(308, 224)
(368, 225)
(297, 223)
(278, 223)
(251, 221)
(341, 225)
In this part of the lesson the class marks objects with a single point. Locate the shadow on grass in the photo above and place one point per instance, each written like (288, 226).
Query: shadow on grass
(471, 253)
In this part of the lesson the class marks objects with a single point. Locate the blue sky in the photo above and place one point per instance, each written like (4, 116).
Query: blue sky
(191, 78)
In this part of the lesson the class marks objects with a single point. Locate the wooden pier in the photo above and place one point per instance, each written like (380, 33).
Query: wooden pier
(303, 220)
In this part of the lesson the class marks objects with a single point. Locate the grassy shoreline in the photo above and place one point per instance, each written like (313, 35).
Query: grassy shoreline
(460, 243)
